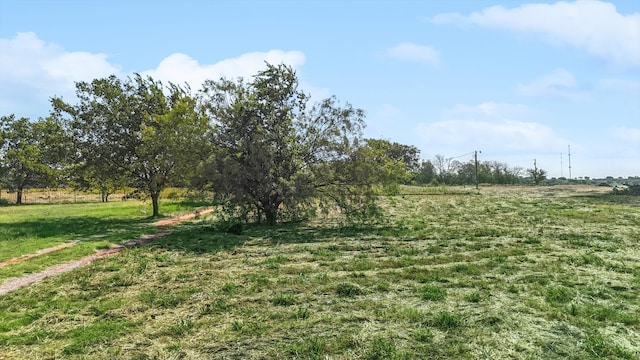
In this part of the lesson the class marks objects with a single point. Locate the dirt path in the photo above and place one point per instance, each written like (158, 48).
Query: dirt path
(178, 219)
(17, 283)
(25, 257)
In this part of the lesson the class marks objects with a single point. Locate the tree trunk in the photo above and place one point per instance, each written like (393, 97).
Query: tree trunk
(155, 196)
(19, 197)
(271, 212)
(271, 215)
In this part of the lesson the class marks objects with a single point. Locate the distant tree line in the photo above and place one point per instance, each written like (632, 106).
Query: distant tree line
(443, 171)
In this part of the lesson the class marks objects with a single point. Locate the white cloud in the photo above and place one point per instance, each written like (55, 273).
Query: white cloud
(504, 135)
(413, 52)
(490, 127)
(594, 26)
(317, 93)
(179, 68)
(32, 70)
(559, 83)
(28, 60)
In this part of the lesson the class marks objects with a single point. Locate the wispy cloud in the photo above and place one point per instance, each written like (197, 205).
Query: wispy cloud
(591, 25)
(559, 84)
(497, 127)
(628, 136)
(622, 85)
(414, 52)
(28, 60)
(180, 68)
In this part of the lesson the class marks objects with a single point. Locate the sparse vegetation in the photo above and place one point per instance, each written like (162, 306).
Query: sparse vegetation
(525, 273)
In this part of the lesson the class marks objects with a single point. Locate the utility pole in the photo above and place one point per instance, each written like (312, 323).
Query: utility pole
(475, 156)
(569, 146)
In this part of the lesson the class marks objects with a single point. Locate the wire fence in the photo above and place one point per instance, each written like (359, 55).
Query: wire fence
(44, 196)
(66, 195)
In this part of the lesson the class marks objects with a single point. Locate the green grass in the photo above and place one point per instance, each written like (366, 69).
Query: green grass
(500, 275)
(434, 293)
(26, 229)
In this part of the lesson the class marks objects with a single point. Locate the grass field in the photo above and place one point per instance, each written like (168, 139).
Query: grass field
(29, 228)
(510, 273)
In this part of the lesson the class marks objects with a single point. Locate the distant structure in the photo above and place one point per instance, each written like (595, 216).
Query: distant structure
(569, 146)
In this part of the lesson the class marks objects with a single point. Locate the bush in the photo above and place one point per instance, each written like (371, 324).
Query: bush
(633, 190)
(233, 226)
(4, 202)
(348, 290)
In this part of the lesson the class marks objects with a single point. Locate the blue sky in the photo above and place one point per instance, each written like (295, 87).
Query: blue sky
(517, 80)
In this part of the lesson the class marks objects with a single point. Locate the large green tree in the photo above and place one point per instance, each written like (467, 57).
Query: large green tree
(277, 155)
(31, 153)
(135, 131)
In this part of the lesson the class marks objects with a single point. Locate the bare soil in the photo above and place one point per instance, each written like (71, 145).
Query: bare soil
(178, 219)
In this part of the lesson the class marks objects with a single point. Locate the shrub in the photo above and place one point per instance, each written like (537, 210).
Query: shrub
(348, 290)
(633, 190)
(445, 320)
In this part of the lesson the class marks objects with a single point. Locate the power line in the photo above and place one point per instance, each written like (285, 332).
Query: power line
(459, 156)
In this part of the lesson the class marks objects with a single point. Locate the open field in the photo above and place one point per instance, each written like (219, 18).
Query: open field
(520, 272)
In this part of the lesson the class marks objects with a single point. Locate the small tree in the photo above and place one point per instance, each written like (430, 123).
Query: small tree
(426, 173)
(536, 174)
(446, 168)
(32, 153)
(85, 176)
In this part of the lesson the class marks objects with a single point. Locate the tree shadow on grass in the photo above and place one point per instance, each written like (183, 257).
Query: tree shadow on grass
(200, 238)
(75, 227)
(84, 228)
